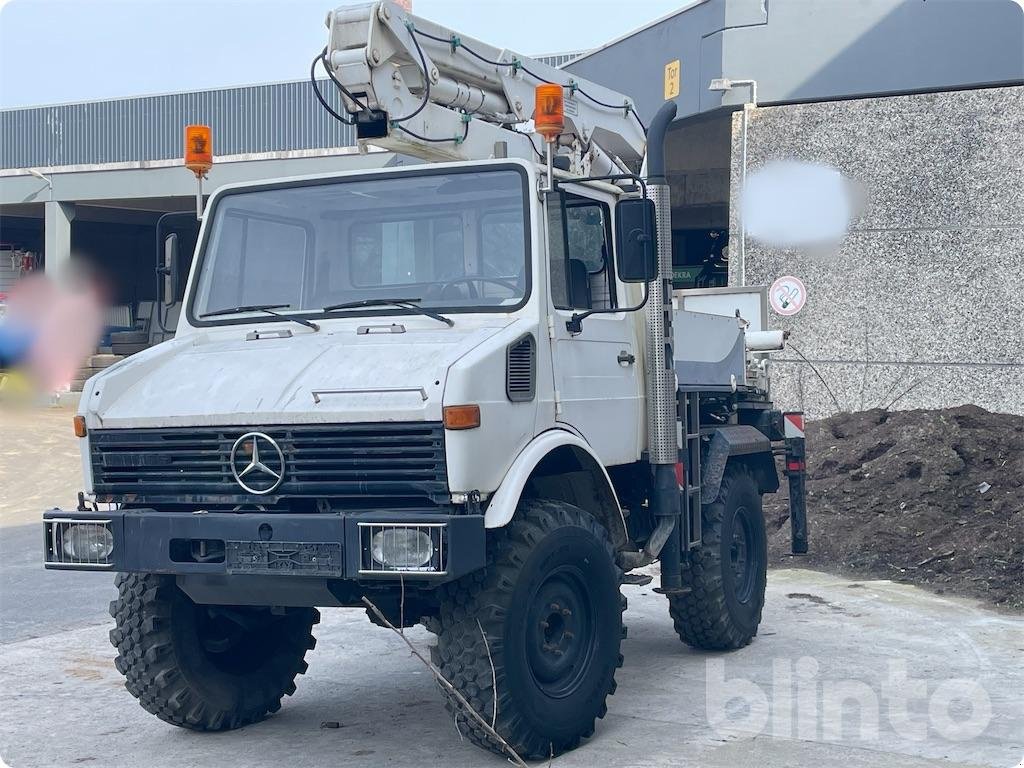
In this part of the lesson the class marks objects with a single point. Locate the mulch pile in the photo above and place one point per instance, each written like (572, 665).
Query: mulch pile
(930, 497)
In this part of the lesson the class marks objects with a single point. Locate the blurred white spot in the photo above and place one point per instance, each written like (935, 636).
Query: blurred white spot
(788, 203)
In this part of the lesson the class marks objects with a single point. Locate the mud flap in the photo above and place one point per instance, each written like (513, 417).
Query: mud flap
(796, 471)
(732, 441)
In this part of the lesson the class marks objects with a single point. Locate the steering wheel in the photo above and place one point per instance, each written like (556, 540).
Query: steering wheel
(470, 279)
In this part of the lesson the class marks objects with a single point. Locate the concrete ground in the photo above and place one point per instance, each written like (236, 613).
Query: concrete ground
(857, 674)
(40, 465)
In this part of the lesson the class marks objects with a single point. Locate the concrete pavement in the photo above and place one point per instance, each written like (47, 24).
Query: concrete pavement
(858, 674)
(35, 602)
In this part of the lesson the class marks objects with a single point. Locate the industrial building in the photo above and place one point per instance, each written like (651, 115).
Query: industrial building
(920, 103)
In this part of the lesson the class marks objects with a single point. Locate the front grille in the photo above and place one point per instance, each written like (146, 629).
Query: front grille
(391, 463)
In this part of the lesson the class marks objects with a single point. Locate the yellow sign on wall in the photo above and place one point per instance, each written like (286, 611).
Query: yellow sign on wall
(672, 80)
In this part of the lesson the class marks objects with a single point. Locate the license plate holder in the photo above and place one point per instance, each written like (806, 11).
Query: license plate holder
(284, 558)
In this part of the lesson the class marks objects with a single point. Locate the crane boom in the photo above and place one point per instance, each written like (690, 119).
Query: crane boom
(415, 87)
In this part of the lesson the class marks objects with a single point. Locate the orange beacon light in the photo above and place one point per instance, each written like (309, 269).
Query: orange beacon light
(549, 114)
(198, 149)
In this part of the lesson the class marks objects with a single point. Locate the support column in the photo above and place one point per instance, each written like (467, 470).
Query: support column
(58, 220)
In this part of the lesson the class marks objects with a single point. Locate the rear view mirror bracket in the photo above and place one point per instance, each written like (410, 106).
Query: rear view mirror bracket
(575, 323)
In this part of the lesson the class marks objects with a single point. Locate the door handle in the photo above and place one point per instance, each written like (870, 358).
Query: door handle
(625, 358)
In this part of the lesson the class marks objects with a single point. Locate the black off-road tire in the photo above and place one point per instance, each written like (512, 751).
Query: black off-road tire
(723, 608)
(551, 558)
(196, 669)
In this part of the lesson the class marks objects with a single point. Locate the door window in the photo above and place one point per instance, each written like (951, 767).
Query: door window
(580, 253)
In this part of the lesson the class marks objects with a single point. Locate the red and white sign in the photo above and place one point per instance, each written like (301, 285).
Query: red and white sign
(787, 295)
(794, 424)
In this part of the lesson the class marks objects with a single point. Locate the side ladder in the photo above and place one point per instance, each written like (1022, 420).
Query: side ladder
(689, 413)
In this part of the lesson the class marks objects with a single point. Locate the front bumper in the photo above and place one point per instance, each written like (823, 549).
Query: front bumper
(226, 544)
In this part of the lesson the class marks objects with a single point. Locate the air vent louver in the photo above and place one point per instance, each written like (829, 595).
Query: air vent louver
(521, 372)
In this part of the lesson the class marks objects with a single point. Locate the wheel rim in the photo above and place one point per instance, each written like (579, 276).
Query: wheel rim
(741, 555)
(560, 635)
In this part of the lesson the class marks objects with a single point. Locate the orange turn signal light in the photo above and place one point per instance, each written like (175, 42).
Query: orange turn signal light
(80, 430)
(198, 148)
(461, 416)
(549, 112)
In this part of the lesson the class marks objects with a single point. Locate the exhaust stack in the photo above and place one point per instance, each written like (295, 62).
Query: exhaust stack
(662, 437)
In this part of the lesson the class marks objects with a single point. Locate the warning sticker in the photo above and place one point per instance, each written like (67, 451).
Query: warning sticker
(787, 295)
(794, 424)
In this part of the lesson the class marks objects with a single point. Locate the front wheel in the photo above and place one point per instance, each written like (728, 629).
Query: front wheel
(538, 631)
(207, 668)
(726, 576)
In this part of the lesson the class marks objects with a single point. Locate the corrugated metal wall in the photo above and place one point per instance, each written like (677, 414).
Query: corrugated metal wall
(558, 59)
(261, 118)
(258, 118)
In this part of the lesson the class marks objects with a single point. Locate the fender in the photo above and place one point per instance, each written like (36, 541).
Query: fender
(503, 503)
(737, 441)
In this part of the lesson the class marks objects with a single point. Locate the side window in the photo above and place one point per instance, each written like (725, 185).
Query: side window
(580, 253)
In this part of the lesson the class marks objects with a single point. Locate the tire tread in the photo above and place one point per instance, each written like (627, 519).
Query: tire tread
(147, 658)
(701, 617)
(461, 653)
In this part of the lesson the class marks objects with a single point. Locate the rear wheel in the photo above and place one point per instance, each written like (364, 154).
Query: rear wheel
(207, 668)
(547, 613)
(726, 576)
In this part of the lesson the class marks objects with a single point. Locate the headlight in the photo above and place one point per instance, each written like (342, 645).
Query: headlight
(402, 548)
(87, 542)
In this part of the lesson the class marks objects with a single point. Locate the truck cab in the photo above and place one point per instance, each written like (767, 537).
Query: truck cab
(368, 345)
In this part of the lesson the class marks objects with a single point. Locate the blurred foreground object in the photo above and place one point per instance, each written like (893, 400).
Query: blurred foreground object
(789, 204)
(47, 329)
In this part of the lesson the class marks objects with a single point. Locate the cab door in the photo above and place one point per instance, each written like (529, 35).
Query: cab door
(597, 385)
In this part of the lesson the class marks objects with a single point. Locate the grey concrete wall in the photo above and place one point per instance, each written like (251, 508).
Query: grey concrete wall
(923, 301)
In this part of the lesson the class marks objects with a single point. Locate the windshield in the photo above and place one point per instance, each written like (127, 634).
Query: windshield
(454, 241)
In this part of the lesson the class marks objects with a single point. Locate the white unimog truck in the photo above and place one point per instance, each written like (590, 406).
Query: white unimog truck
(450, 389)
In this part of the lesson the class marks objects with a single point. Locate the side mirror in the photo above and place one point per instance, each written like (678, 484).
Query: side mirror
(170, 268)
(637, 238)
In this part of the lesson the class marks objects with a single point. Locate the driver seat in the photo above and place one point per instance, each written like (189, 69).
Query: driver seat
(579, 285)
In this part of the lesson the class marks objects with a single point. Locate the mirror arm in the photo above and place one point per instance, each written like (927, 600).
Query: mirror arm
(574, 325)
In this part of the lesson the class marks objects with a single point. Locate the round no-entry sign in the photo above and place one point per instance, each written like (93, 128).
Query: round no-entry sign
(787, 295)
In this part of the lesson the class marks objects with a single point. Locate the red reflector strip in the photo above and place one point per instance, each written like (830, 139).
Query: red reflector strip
(680, 474)
(796, 466)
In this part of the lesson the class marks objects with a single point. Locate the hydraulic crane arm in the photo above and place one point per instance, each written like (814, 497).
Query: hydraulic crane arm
(421, 89)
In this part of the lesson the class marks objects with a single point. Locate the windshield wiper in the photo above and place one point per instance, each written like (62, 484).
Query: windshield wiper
(266, 308)
(403, 303)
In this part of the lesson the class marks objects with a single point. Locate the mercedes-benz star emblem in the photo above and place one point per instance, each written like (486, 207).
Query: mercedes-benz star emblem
(257, 463)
